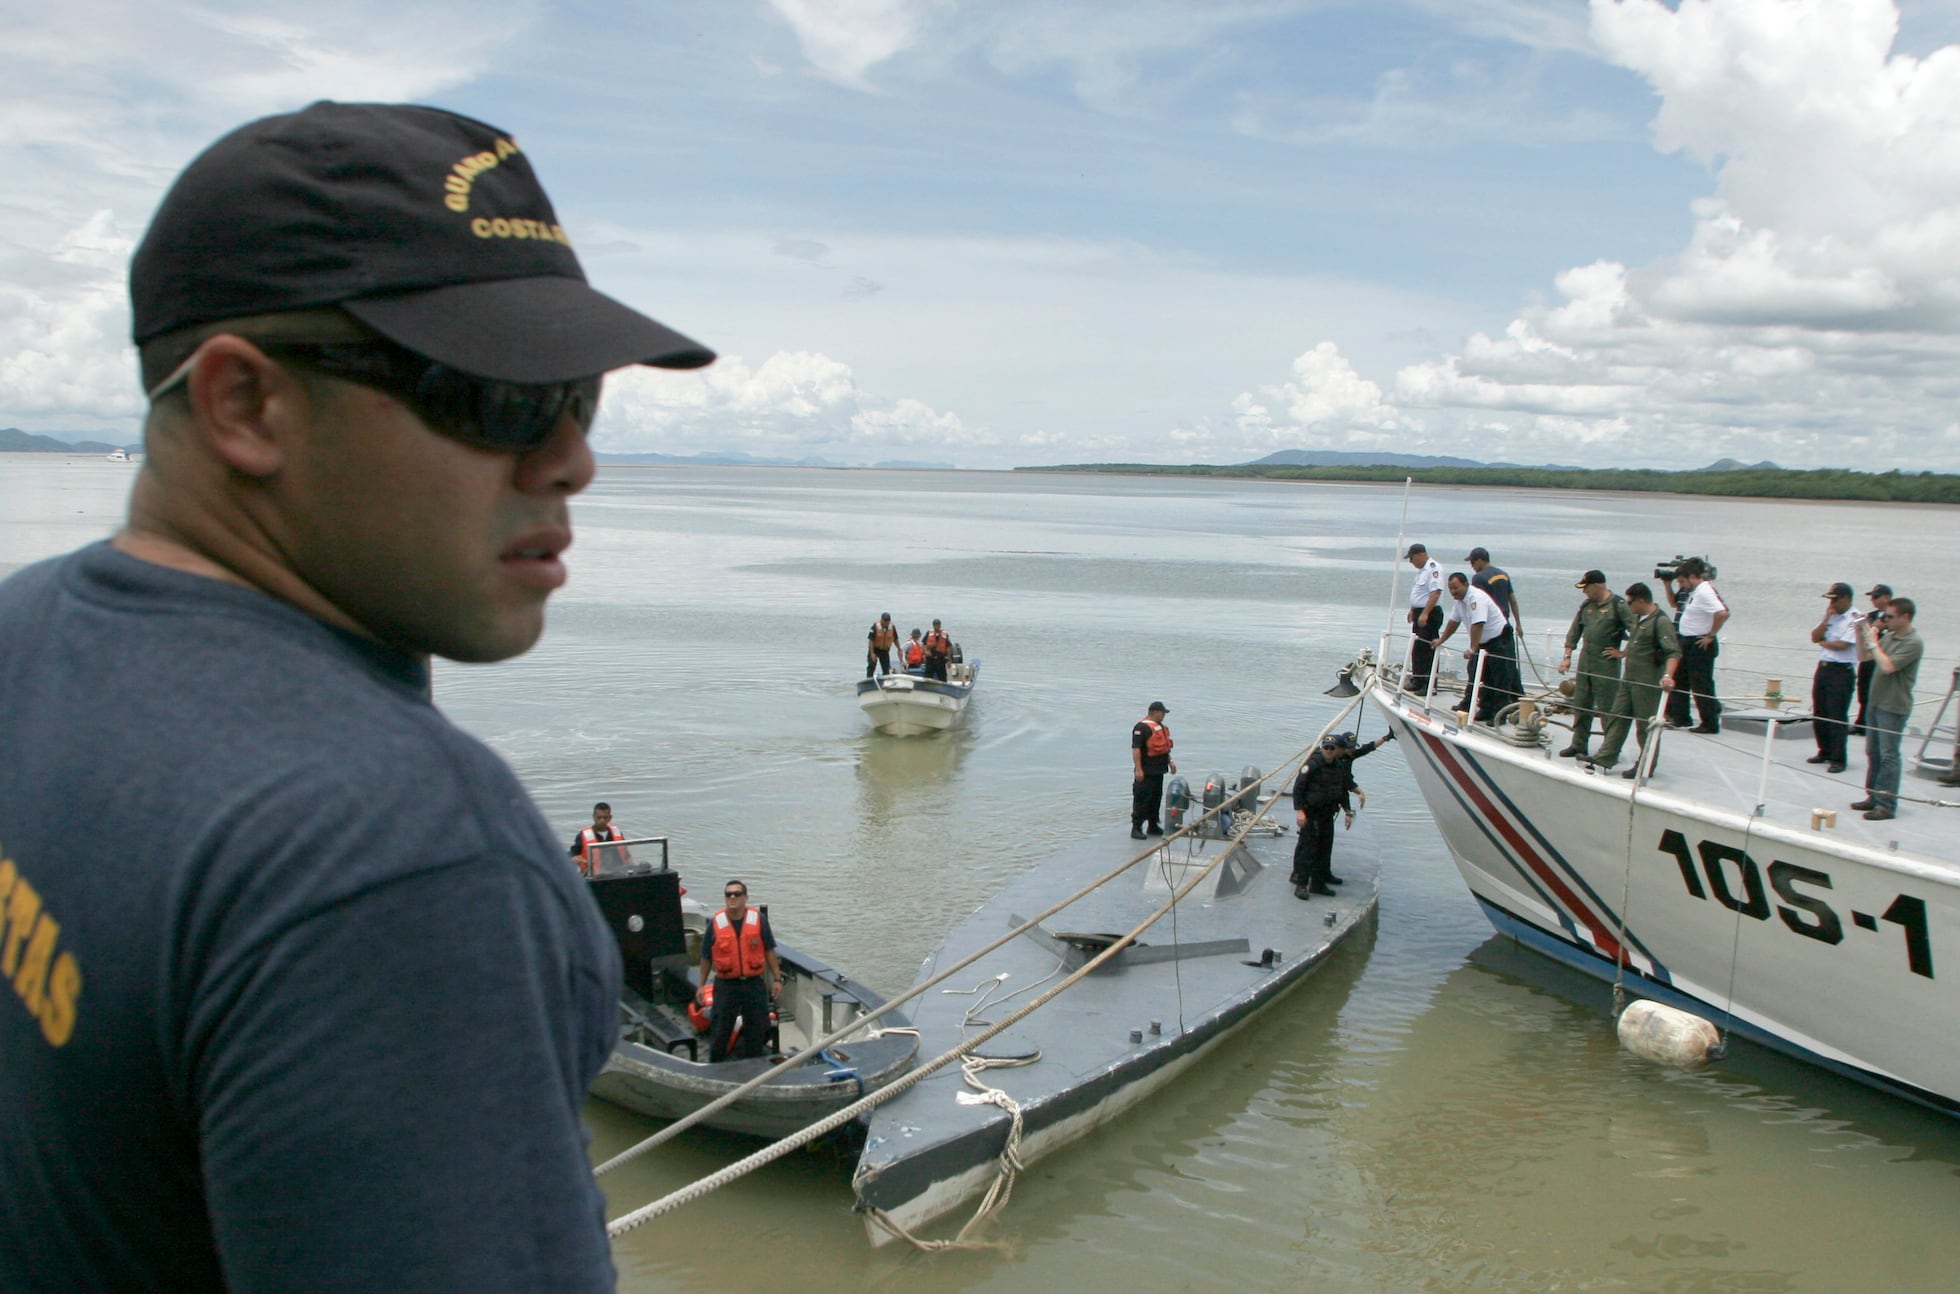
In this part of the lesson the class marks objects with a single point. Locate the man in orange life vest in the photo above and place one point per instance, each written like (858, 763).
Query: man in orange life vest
(600, 830)
(1150, 759)
(740, 954)
(939, 649)
(878, 646)
(915, 652)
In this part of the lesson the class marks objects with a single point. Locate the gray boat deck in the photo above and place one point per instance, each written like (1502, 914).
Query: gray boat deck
(1192, 978)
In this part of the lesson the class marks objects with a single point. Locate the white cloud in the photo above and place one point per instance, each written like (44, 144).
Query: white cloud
(845, 39)
(1814, 314)
(794, 404)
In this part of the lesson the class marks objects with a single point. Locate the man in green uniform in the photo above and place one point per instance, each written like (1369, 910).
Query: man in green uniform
(1652, 655)
(1600, 626)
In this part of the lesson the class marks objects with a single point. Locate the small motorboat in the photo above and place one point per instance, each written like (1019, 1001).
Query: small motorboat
(908, 703)
(659, 1067)
(1239, 941)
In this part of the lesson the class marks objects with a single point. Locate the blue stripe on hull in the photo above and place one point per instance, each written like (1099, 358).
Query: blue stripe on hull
(1590, 962)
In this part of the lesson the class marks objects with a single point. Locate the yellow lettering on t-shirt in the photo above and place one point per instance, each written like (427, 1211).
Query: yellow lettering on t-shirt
(23, 906)
(64, 990)
(32, 981)
(49, 986)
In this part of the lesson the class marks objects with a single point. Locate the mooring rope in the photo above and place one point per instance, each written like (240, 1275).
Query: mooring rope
(871, 1100)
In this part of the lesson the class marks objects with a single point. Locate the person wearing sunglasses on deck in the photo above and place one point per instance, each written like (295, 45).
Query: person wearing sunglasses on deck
(257, 1035)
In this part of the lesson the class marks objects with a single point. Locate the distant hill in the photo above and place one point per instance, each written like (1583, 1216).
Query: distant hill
(1737, 465)
(735, 458)
(1357, 458)
(15, 441)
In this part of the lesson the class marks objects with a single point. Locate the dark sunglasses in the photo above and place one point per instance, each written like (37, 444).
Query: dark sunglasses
(509, 416)
(734, 894)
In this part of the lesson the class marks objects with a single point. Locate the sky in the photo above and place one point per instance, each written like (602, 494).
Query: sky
(996, 233)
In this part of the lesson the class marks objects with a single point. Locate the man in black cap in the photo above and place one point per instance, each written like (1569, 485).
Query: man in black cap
(1322, 789)
(1599, 628)
(1496, 582)
(261, 1036)
(1836, 676)
(1150, 759)
(1881, 596)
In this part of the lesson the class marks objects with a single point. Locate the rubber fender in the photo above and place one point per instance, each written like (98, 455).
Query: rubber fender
(1667, 1036)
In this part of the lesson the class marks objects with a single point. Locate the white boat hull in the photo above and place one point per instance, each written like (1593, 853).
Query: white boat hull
(1823, 944)
(907, 705)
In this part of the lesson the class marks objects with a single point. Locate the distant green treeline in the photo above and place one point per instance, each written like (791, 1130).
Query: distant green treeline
(1747, 482)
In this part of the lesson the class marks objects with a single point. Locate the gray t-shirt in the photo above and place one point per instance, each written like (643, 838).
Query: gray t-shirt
(301, 993)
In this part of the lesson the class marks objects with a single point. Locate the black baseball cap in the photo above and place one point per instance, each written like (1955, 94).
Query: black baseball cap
(1880, 591)
(1158, 705)
(1417, 548)
(1478, 555)
(1839, 590)
(1591, 577)
(428, 227)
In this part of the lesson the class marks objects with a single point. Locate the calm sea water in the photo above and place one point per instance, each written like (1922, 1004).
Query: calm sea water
(1435, 1111)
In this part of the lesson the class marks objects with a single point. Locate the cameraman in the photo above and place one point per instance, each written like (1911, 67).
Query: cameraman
(1881, 596)
(1702, 619)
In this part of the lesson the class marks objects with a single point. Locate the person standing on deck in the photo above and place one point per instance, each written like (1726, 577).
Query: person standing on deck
(1881, 596)
(1701, 624)
(1425, 618)
(1150, 759)
(738, 957)
(259, 1035)
(1495, 581)
(1651, 657)
(1836, 676)
(939, 650)
(1897, 650)
(878, 646)
(1321, 790)
(1601, 624)
(1489, 658)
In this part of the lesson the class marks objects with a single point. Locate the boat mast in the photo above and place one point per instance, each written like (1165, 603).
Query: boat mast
(1395, 569)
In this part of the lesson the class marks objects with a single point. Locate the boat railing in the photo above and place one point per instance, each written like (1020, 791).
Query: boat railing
(1544, 709)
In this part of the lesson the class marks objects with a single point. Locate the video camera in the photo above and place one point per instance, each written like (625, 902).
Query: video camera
(1669, 571)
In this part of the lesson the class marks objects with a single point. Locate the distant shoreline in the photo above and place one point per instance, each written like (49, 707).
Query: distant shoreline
(1822, 484)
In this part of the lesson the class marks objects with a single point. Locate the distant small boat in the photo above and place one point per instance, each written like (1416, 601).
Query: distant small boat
(659, 1066)
(908, 704)
(118, 456)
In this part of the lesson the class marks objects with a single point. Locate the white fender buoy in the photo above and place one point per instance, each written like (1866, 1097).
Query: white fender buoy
(1667, 1036)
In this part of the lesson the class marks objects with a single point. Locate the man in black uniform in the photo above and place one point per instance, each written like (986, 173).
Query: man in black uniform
(1325, 782)
(1150, 759)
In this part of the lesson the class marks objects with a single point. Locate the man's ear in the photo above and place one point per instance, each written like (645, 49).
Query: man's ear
(244, 405)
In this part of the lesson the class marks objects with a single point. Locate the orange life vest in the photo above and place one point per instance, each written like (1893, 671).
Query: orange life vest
(1159, 740)
(915, 654)
(588, 838)
(938, 643)
(738, 954)
(883, 636)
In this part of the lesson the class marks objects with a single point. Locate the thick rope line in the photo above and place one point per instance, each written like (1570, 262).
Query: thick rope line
(837, 1119)
(727, 1099)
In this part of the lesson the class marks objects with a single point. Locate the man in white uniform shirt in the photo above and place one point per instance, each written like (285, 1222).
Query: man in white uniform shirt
(1701, 620)
(1836, 636)
(1489, 633)
(1425, 616)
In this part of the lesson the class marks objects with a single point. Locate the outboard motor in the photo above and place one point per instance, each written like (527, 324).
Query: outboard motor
(1245, 791)
(1212, 797)
(1177, 801)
